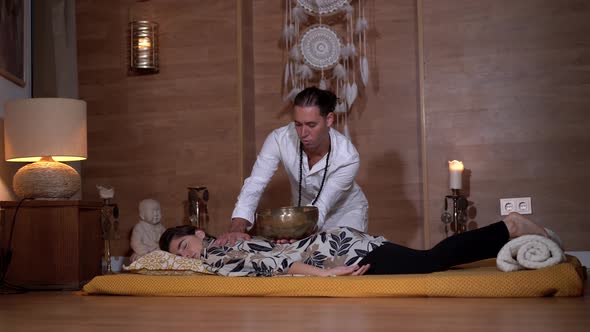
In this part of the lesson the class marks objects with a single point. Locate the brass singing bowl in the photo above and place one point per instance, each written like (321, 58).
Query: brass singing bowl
(288, 222)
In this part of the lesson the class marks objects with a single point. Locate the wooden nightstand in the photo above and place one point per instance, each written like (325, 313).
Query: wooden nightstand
(56, 244)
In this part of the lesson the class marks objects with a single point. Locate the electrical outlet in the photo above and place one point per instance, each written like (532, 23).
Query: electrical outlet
(521, 205)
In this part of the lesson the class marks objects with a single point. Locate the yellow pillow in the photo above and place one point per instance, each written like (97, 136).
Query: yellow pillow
(160, 262)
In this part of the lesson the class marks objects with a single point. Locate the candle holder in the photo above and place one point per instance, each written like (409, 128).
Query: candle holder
(109, 221)
(198, 213)
(456, 217)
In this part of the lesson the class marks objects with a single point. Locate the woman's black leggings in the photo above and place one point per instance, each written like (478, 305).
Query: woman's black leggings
(462, 248)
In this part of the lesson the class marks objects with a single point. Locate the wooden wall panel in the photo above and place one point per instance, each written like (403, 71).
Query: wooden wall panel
(269, 107)
(246, 90)
(154, 135)
(386, 131)
(506, 87)
(384, 126)
(507, 92)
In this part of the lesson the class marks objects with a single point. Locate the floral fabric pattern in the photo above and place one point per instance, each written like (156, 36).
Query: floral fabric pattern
(261, 257)
(163, 262)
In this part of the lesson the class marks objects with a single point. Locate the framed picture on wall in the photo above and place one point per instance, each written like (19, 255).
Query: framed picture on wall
(12, 25)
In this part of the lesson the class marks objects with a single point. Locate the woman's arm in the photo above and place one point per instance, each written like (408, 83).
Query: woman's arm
(305, 269)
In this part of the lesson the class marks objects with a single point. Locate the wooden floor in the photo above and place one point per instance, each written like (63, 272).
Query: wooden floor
(70, 311)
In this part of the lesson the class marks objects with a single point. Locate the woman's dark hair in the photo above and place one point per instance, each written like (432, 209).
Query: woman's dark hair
(173, 233)
(312, 96)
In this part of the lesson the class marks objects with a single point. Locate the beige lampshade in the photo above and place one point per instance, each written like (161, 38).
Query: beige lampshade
(39, 127)
(45, 131)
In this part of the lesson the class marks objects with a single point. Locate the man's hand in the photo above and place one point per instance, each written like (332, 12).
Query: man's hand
(237, 232)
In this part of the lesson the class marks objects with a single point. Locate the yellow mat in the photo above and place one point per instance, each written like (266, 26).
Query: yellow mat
(480, 279)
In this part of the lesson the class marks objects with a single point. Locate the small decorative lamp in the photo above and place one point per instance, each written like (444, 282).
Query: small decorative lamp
(45, 131)
(143, 37)
(457, 218)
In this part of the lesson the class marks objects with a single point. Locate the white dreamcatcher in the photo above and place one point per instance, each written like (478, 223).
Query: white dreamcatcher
(326, 41)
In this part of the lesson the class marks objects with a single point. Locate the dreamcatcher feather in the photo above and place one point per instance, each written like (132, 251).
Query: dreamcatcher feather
(292, 94)
(299, 15)
(361, 30)
(289, 33)
(339, 72)
(347, 9)
(305, 72)
(295, 54)
(286, 74)
(324, 85)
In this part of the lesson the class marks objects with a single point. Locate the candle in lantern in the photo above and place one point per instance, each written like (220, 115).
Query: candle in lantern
(144, 43)
(455, 173)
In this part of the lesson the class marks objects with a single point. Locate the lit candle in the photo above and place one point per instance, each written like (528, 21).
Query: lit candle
(144, 43)
(455, 172)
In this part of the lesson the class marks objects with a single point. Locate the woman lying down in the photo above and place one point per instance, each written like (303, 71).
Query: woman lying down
(344, 251)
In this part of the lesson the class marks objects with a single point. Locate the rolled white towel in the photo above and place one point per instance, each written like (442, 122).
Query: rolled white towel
(553, 236)
(530, 252)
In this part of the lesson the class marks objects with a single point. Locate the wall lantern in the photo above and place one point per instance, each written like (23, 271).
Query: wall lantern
(143, 38)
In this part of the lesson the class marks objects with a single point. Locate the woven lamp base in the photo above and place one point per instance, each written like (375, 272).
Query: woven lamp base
(46, 180)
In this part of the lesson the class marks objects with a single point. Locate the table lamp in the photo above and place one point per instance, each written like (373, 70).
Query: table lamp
(45, 131)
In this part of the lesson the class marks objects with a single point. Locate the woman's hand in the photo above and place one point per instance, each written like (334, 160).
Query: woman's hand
(352, 270)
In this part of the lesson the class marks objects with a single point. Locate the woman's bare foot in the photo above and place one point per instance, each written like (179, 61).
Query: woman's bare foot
(518, 225)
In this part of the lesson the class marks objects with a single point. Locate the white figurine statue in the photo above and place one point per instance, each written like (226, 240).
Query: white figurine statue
(146, 233)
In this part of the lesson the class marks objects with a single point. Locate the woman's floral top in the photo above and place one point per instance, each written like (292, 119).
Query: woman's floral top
(261, 257)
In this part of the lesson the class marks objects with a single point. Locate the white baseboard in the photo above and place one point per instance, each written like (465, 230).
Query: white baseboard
(583, 256)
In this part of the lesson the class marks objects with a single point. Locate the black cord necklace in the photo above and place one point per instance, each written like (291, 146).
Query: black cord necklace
(301, 173)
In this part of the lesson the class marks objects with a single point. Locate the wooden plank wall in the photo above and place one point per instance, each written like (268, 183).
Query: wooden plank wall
(384, 127)
(506, 84)
(507, 91)
(154, 135)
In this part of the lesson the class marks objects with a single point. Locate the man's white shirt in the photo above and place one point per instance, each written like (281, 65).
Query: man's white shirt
(341, 202)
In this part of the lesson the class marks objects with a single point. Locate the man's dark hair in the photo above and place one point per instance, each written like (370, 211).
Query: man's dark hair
(325, 100)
